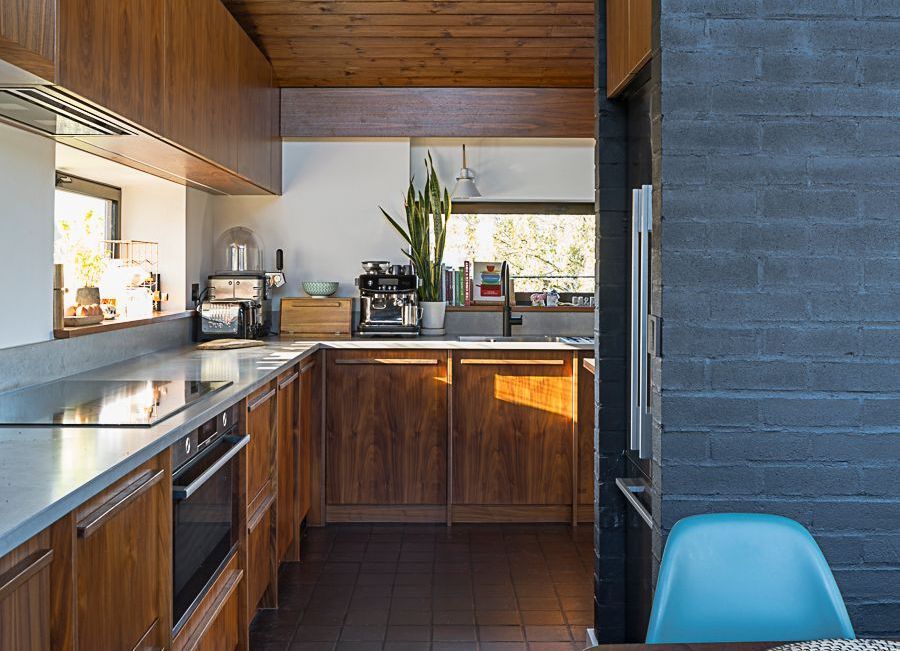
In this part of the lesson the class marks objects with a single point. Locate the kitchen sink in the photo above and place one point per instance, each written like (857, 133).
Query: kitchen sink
(528, 339)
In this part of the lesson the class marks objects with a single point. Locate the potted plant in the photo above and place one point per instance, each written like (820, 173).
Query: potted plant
(88, 260)
(427, 213)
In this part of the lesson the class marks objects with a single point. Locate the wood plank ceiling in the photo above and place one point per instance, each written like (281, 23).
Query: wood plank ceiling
(424, 43)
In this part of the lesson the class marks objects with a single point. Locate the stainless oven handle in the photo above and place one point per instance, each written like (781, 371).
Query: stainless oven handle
(184, 492)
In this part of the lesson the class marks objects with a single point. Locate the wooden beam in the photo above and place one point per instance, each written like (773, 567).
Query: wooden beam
(437, 112)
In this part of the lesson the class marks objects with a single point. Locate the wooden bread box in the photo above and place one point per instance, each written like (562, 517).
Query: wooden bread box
(317, 318)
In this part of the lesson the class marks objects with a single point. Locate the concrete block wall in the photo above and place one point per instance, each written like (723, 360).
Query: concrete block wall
(612, 274)
(777, 274)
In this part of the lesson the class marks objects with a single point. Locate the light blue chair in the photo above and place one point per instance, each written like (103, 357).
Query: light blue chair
(740, 577)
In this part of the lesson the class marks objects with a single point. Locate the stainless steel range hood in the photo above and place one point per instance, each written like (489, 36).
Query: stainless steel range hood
(55, 113)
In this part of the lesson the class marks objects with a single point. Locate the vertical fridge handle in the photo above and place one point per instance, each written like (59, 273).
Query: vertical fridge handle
(644, 420)
(635, 386)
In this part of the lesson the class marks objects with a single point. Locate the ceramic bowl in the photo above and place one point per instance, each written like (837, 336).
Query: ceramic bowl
(320, 287)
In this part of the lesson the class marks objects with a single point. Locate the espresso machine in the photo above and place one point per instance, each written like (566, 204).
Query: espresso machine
(388, 300)
(237, 301)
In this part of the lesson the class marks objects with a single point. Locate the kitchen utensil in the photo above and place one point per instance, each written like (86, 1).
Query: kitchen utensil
(320, 287)
(229, 344)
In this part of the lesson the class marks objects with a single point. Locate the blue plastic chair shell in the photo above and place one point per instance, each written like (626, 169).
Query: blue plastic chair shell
(740, 577)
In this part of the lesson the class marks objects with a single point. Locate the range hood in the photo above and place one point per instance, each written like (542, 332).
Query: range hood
(55, 113)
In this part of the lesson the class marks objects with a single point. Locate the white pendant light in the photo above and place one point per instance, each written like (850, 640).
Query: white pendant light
(465, 182)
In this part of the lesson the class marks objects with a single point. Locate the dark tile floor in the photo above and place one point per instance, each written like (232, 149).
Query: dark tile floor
(433, 588)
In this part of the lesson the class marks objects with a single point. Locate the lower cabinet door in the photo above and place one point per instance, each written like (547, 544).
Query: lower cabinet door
(261, 560)
(215, 624)
(25, 596)
(123, 579)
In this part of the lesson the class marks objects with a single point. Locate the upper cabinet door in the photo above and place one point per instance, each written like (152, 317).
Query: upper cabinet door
(202, 109)
(111, 53)
(257, 103)
(28, 36)
(628, 41)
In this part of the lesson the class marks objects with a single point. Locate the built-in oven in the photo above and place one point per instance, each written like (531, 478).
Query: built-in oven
(205, 515)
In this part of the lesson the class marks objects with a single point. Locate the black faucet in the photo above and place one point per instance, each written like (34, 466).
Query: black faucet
(508, 319)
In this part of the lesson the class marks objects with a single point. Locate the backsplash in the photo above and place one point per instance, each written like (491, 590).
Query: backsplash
(50, 360)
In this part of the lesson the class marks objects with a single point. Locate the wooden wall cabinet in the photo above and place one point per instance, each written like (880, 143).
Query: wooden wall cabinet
(386, 429)
(513, 439)
(28, 37)
(112, 53)
(197, 90)
(123, 555)
(628, 41)
(288, 463)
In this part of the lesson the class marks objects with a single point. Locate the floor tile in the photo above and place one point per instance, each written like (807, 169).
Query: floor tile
(500, 633)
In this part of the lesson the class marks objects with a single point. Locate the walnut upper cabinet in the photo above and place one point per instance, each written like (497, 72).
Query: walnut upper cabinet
(386, 428)
(628, 41)
(199, 93)
(112, 54)
(513, 429)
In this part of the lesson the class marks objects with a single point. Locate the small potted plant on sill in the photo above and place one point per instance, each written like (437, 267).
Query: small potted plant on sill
(427, 214)
(87, 259)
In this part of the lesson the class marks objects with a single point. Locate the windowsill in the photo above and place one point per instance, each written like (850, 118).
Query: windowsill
(121, 324)
(518, 308)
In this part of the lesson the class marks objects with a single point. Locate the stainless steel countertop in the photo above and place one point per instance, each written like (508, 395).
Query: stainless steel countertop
(46, 472)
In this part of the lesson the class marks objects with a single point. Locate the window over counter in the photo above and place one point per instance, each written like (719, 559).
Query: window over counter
(548, 245)
(86, 215)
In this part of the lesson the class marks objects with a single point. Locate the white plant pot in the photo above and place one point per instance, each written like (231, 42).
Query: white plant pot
(433, 313)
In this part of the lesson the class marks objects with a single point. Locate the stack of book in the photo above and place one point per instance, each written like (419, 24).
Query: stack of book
(474, 283)
(457, 285)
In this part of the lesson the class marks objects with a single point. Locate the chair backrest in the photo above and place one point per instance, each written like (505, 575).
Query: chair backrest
(739, 577)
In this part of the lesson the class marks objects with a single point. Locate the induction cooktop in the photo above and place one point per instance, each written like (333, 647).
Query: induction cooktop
(102, 403)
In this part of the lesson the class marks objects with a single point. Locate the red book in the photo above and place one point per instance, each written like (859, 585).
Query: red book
(467, 282)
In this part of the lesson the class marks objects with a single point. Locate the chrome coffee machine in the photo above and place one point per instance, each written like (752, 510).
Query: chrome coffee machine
(237, 302)
(388, 300)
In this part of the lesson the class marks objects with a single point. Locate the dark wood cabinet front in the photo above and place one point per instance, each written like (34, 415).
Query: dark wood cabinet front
(386, 427)
(112, 54)
(512, 428)
(309, 477)
(123, 573)
(286, 450)
(261, 426)
(25, 596)
(628, 41)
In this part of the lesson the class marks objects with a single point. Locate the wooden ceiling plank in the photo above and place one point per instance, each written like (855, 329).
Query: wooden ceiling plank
(319, 8)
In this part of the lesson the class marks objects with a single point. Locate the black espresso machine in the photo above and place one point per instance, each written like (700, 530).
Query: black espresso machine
(388, 300)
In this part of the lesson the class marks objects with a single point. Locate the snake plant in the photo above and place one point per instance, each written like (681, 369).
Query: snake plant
(427, 213)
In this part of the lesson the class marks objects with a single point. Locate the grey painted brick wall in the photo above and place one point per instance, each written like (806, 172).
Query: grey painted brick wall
(777, 273)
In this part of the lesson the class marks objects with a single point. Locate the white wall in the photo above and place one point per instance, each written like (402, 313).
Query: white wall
(26, 235)
(199, 240)
(544, 169)
(327, 220)
(152, 209)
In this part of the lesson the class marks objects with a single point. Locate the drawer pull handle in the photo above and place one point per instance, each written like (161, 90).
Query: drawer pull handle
(261, 400)
(22, 571)
(260, 511)
(286, 381)
(98, 517)
(630, 488)
(512, 362)
(387, 361)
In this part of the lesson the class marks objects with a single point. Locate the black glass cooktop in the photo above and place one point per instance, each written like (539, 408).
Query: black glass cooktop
(102, 403)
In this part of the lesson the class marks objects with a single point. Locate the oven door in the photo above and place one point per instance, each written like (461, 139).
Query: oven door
(204, 523)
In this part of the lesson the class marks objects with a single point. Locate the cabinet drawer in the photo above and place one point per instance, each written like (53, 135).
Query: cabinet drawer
(261, 425)
(122, 556)
(214, 626)
(261, 565)
(25, 596)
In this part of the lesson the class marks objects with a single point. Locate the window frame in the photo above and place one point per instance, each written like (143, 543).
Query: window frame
(78, 185)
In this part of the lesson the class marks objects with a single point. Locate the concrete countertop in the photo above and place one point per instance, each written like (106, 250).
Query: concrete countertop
(46, 472)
